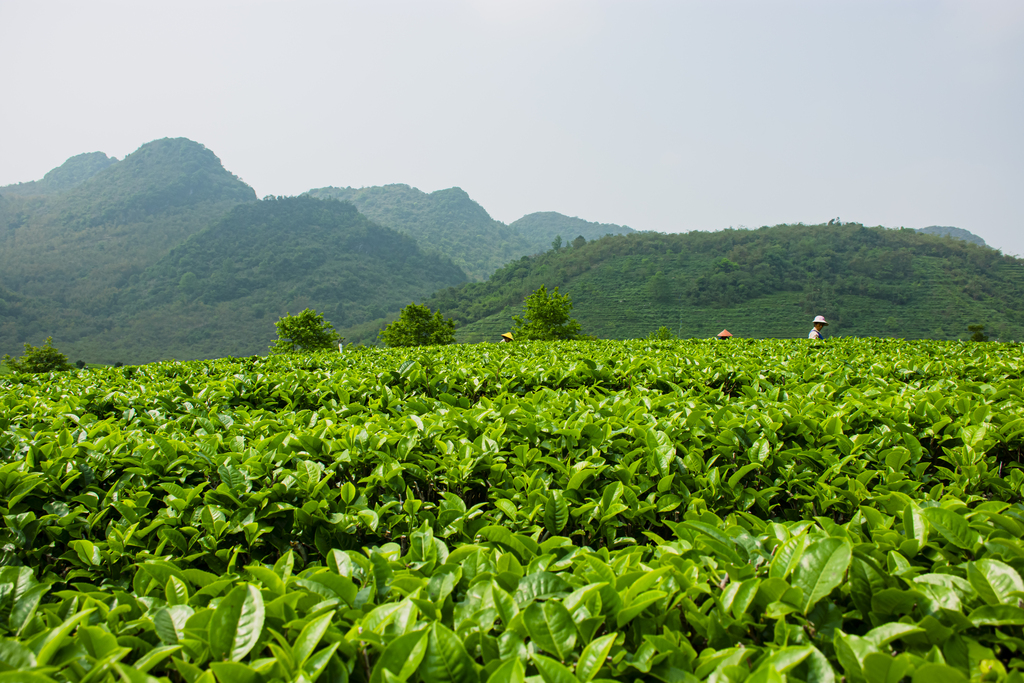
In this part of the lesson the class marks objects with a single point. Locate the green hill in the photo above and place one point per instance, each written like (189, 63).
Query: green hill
(447, 222)
(760, 283)
(451, 223)
(72, 172)
(955, 233)
(70, 250)
(541, 228)
(167, 254)
(220, 292)
(72, 244)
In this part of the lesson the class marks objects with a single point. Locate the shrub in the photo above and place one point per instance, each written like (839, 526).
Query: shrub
(417, 327)
(546, 317)
(307, 331)
(43, 358)
(661, 334)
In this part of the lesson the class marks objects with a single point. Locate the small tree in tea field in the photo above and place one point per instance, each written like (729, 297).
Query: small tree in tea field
(43, 358)
(546, 317)
(307, 331)
(978, 333)
(417, 327)
(661, 334)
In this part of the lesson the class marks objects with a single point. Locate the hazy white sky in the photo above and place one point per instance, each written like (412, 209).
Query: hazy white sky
(667, 116)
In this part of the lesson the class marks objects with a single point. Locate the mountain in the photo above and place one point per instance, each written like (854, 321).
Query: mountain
(73, 243)
(220, 292)
(445, 221)
(72, 172)
(540, 229)
(451, 223)
(757, 283)
(166, 253)
(955, 233)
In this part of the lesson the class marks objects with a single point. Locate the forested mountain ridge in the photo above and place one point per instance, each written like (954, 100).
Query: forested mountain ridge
(220, 292)
(69, 252)
(542, 227)
(72, 172)
(451, 223)
(955, 233)
(758, 283)
(446, 221)
(167, 254)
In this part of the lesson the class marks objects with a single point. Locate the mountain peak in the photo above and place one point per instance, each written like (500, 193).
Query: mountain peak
(542, 227)
(78, 169)
(71, 173)
(164, 174)
(955, 233)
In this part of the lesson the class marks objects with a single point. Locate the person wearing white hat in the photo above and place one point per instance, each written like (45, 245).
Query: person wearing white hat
(819, 322)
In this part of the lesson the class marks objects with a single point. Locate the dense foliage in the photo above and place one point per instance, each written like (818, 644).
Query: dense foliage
(541, 227)
(650, 511)
(447, 222)
(143, 258)
(74, 246)
(417, 327)
(71, 173)
(546, 317)
(285, 254)
(167, 254)
(768, 282)
(305, 332)
(958, 233)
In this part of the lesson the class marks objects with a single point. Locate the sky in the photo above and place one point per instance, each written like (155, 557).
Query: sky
(660, 115)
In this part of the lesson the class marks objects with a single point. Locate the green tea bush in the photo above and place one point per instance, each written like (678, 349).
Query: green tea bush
(648, 510)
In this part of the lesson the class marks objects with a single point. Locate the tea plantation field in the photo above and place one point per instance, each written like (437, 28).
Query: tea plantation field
(556, 513)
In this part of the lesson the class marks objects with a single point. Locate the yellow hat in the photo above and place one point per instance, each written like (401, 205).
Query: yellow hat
(507, 335)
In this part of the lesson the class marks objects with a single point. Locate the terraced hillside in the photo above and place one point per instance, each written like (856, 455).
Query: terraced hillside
(761, 283)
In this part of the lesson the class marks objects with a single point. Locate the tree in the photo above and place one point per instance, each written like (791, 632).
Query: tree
(579, 242)
(546, 317)
(307, 331)
(43, 358)
(556, 243)
(978, 333)
(662, 334)
(417, 327)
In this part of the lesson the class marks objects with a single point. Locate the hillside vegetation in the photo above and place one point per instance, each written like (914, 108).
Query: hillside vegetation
(220, 292)
(168, 254)
(447, 222)
(760, 283)
(72, 172)
(451, 223)
(69, 254)
(758, 511)
(956, 233)
(542, 227)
